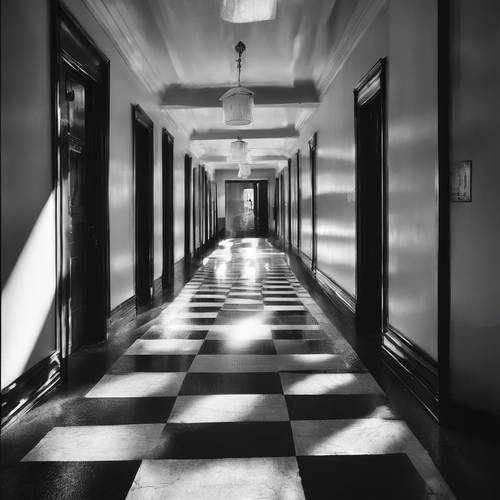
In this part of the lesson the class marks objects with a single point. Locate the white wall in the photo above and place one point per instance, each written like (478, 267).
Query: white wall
(412, 166)
(28, 208)
(475, 231)
(334, 122)
(412, 171)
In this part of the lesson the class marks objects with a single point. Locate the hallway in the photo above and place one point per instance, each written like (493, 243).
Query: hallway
(240, 388)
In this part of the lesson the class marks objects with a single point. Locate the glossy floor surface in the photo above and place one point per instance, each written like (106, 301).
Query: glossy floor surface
(240, 388)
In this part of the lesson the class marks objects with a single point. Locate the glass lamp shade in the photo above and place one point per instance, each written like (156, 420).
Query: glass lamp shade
(239, 151)
(247, 11)
(244, 171)
(237, 106)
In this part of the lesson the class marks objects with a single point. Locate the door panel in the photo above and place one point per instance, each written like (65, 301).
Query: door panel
(75, 113)
(143, 167)
(370, 265)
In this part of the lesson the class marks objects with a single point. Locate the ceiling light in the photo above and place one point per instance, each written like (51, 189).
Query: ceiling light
(244, 171)
(237, 103)
(238, 151)
(247, 11)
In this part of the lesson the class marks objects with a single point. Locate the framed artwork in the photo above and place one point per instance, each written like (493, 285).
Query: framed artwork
(460, 181)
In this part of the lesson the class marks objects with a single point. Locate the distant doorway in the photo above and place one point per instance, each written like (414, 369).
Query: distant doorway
(246, 209)
(142, 128)
(369, 99)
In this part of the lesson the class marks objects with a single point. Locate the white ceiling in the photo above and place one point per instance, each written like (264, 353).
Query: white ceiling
(184, 44)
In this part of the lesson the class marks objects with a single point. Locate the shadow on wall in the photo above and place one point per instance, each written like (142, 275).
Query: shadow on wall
(28, 318)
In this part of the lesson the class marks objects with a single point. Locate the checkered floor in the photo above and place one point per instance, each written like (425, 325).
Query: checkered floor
(240, 389)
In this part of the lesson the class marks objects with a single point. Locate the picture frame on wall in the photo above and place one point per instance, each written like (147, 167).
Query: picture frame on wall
(460, 181)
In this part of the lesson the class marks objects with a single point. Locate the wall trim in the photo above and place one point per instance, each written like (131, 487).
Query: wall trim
(307, 261)
(413, 367)
(361, 19)
(124, 310)
(335, 291)
(29, 389)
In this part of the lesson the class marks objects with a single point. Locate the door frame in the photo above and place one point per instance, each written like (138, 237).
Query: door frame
(297, 202)
(255, 182)
(289, 204)
(187, 207)
(140, 118)
(167, 154)
(60, 56)
(376, 75)
(313, 157)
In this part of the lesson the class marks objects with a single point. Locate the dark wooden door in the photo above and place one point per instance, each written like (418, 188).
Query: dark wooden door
(370, 230)
(261, 209)
(143, 171)
(313, 144)
(168, 207)
(188, 199)
(76, 114)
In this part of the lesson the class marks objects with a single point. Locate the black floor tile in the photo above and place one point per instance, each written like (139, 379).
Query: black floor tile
(363, 477)
(153, 363)
(282, 302)
(117, 411)
(231, 347)
(244, 307)
(197, 321)
(231, 383)
(291, 318)
(214, 308)
(218, 301)
(175, 334)
(324, 407)
(278, 295)
(294, 334)
(224, 440)
(75, 480)
(309, 347)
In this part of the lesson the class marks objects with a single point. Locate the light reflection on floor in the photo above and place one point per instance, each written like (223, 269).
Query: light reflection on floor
(242, 388)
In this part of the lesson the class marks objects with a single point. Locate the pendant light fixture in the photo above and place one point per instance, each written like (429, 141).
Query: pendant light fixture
(237, 103)
(244, 171)
(238, 151)
(247, 11)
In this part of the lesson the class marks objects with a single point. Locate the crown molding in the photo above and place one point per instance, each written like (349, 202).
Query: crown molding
(111, 16)
(362, 18)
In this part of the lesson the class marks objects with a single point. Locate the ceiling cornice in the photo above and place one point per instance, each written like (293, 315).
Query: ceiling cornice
(111, 16)
(362, 18)
(222, 134)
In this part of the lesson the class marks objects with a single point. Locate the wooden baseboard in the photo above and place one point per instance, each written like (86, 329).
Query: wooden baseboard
(335, 291)
(158, 287)
(122, 312)
(307, 261)
(29, 389)
(413, 367)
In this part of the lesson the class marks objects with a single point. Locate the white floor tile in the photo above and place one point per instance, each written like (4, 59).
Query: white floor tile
(97, 443)
(218, 479)
(229, 408)
(164, 346)
(138, 385)
(329, 383)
